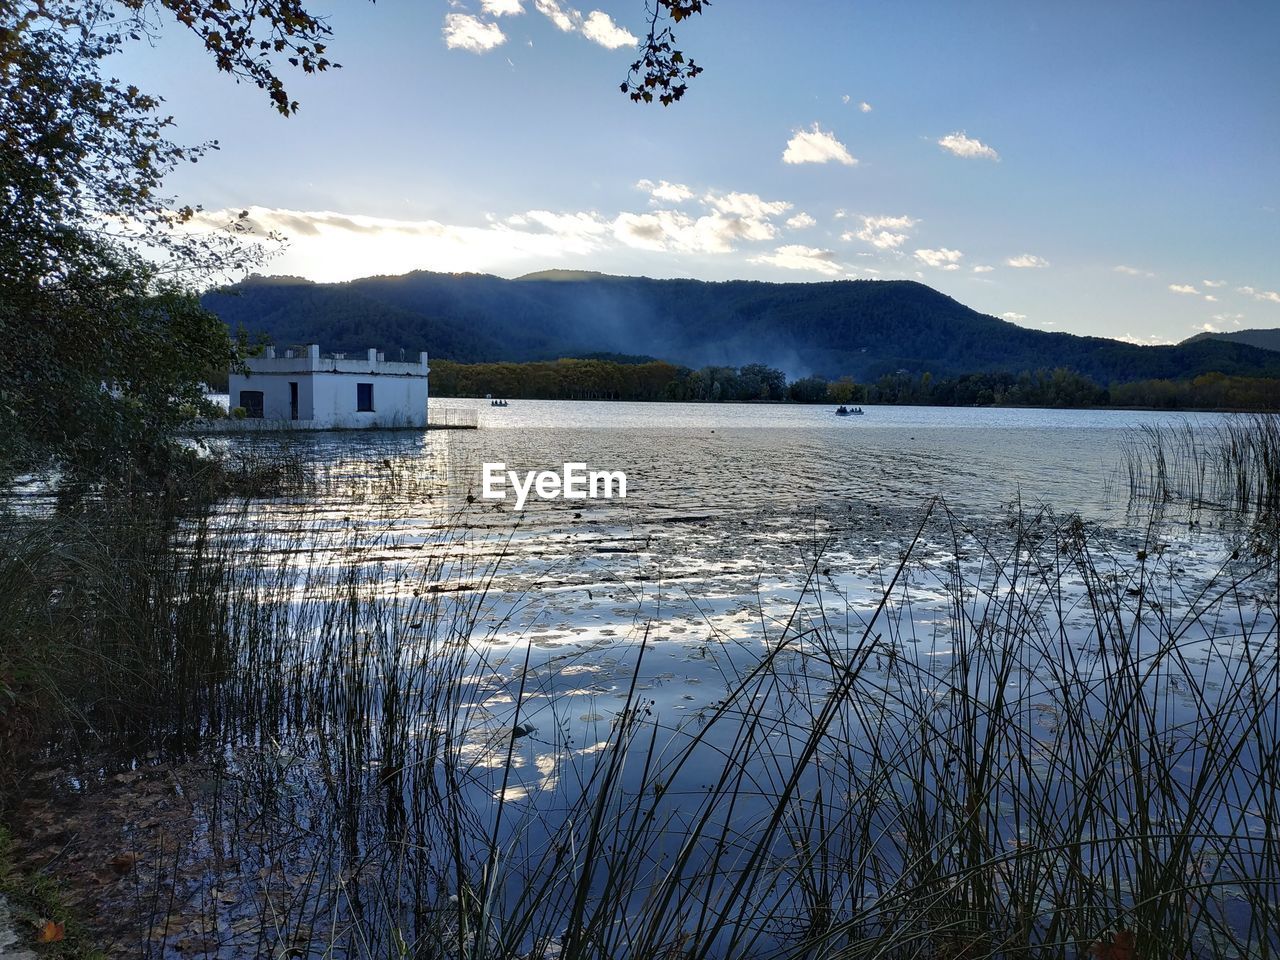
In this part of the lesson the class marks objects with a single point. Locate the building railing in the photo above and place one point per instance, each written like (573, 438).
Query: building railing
(441, 416)
(302, 351)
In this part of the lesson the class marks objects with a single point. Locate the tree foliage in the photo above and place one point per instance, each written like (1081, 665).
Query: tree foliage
(597, 379)
(105, 339)
(662, 71)
(604, 379)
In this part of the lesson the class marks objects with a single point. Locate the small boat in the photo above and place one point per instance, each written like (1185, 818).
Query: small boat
(843, 411)
(497, 403)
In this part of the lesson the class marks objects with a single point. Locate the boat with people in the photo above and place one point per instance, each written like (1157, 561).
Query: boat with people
(843, 411)
(498, 403)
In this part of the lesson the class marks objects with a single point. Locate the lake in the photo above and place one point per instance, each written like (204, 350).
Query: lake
(814, 680)
(739, 455)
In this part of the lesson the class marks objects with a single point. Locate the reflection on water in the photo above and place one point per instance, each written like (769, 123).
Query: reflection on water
(778, 646)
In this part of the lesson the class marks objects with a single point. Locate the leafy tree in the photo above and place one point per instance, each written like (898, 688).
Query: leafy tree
(102, 363)
(105, 348)
(94, 332)
(809, 390)
(844, 390)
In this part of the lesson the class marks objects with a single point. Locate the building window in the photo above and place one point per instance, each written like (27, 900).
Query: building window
(364, 397)
(251, 401)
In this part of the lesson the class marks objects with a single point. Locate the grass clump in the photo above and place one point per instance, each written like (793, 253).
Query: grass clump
(1046, 738)
(41, 920)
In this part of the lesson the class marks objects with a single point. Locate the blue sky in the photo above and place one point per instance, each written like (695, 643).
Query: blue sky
(1099, 168)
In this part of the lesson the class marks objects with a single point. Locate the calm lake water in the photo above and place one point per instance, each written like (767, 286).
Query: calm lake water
(909, 537)
(743, 457)
(737, 517)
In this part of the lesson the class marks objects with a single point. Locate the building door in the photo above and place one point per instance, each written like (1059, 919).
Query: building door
(364, 397)
(293, 400)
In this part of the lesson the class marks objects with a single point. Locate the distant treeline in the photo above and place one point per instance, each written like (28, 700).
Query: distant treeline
(1213, 391)
(602, 379)
(591, 379)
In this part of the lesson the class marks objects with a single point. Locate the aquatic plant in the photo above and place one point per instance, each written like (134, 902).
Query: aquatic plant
(1073, 750)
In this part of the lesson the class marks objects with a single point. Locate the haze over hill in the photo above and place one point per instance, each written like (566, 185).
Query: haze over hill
(1264, 339)
(862, 328)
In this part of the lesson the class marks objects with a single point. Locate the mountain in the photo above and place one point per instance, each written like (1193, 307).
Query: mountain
(862, 328)
(1262, 339)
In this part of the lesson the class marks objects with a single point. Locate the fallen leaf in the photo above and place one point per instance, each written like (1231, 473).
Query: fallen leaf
(1121, 947)
(49, 932)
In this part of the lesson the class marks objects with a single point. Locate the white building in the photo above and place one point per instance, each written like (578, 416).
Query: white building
(311, 392)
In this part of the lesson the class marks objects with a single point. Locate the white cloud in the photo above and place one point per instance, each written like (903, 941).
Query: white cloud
(746, 205)
(864, 107)
(1014, 317)
(578, 225)
(500, 8)
(566, 20)
(801, 221)
(965, 146)
(718, 233)
(983, 268)
(1231, 318)
(1184, 288)
(1027, 261)
(846, 98)
(1207, 328)
(665, 192)
(1268, 295)
(330, 246)
(736, 217)
(737, 228)
(652, 231)
(883, 233)
(465, 32)
(1214, 284)
(1151, 341)
(942, 258)
(1132, 271)
(600, 28)
(797, 257)
(1211, 298)
(816, 146)
(672, 230)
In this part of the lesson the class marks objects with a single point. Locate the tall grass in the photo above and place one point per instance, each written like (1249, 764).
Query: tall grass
(1234, 466)
(1096, 753)
(1085, 744)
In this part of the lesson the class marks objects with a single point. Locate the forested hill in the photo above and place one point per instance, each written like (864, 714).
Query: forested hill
(859, 328)
(1267, 339)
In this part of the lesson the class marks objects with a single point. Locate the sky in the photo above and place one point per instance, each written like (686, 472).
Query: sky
(1092, 167)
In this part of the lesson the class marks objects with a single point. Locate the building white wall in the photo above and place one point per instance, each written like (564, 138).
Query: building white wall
(398, 401)
(275, 393)
(327, 390)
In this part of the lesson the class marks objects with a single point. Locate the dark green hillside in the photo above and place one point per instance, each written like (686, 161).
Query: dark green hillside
(861, 328)
(1262, 339)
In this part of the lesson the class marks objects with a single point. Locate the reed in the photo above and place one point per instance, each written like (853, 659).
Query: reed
(1083, 748)
(1233, 467)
